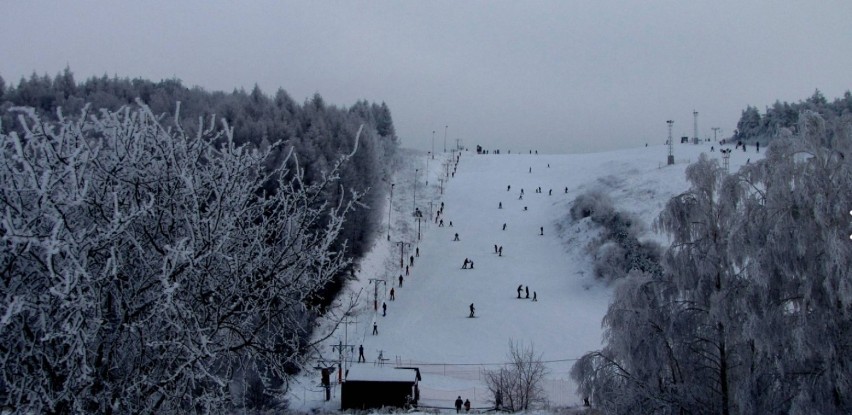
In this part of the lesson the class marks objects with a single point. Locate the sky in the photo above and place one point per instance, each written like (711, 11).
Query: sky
(427, 324)
(554, 76)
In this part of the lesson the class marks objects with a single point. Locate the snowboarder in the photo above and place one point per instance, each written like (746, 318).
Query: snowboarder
(520, 288)
(504, 226)
(375, 329)
(400, 280)
(527, 289)
(472, 310)
(361, 354)
(456, 238)
(541, 229)
(384, 309)
(392, 296)
(458, 404)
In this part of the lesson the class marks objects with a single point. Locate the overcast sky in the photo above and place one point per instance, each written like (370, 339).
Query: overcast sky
(557, 76)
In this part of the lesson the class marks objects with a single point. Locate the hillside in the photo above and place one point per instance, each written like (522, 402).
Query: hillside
(427, 325)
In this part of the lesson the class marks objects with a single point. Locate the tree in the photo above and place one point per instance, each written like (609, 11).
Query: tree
(147, 270)
(754, 309)
(519, 382)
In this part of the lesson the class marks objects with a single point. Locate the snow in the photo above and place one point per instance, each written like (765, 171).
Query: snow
(427, 326)
(380, 373)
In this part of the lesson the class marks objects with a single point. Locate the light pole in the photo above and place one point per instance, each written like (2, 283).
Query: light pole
(445, 137)
(390, 207)
(428, 155)
(418, 227)
(414, 204)
(433, 143)
(402, 245)
(670, 160)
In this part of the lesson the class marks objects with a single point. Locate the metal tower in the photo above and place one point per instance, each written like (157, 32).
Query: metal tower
(671, 144)
(695, 127)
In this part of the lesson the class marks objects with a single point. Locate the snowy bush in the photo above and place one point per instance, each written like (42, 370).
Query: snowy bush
(618, 250)
(147, 270)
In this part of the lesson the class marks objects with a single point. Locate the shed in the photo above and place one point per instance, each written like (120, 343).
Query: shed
(377, 386)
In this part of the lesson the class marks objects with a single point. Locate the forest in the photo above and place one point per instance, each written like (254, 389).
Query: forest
(756, 127)
(752, 309)
(169, 249)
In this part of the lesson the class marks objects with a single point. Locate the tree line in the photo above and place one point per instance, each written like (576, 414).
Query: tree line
(168, 249)
(754, 126)
(752, 312)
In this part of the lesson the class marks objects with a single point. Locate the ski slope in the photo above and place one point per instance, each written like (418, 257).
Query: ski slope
(427, 325)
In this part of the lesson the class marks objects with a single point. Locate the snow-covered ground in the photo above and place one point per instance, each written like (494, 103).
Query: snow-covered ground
(427, 325)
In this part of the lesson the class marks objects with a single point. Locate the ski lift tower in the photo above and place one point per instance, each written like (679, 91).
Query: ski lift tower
(695, 127)
(671, 144)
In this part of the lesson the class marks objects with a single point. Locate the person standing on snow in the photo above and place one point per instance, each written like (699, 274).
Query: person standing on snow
(361, 354)
(375, 329)
(500, 251)
(520, 288)
(456, 238)
(400, 280)
(467, 405)
(384, 309)
(471, 310)
(392, 297)
(458, 404)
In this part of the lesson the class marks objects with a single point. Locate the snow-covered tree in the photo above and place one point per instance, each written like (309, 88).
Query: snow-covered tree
(145, 269)
(753, 313)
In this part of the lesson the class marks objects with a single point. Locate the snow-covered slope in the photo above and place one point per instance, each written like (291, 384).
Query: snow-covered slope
(427, 324)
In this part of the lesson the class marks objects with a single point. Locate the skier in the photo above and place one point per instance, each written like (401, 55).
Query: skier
(417, 252)
(509, 187)
(525, 208)
(471, 264)
(384, 309)
(361, 354)
(566, 189)
(451, 224)
(542, 231)
(471, 310)
(535, 296)
(520, 288)
(504, 226)
(456, 238)
(458, 404)
(550, 192)
(530, 169)
(757, 146)
(406, 270)
(441, 223)
(500, 205)
(400, 280)
(527, 289)
(392, 296)
(464, 264)
(521, 197)
(495, 248)
(522, 191)
(500, 251)
(375, 329)
(411, 260)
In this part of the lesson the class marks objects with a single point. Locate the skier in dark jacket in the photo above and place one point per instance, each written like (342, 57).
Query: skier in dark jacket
(458, 404)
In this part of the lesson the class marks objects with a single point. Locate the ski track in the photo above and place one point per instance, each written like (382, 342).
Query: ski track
(428, 324)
